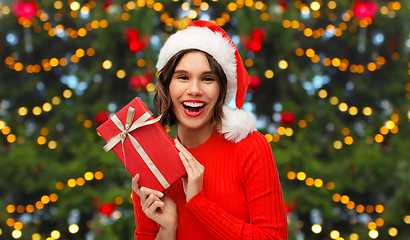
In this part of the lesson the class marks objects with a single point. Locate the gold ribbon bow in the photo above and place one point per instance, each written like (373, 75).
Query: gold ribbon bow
(125, 131)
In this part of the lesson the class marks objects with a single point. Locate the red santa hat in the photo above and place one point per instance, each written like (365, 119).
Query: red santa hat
(212, 39)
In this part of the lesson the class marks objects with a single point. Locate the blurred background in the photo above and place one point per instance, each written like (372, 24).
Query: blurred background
(330, 89)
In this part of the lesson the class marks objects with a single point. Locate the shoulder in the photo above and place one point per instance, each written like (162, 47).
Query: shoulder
(254, 143)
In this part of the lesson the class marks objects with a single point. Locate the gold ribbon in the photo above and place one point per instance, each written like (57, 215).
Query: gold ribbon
(125, 131)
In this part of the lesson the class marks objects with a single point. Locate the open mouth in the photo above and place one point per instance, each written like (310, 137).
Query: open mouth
(193, 107)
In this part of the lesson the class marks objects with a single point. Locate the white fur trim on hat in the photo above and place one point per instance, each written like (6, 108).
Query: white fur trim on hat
(206, 40)
(237, 124)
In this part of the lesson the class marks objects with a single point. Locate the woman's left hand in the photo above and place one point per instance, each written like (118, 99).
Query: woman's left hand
(194, 183)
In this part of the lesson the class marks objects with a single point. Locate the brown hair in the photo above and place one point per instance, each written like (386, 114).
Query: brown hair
(162, 99)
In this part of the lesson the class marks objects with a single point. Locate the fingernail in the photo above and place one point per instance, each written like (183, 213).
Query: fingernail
(160, 194)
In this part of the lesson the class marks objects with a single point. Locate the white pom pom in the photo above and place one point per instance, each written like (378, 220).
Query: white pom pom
(237, 124)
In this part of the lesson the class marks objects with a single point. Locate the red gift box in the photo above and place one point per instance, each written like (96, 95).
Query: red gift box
(143, 146)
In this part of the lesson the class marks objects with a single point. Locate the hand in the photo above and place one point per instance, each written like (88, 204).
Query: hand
(157, 205)
(194, 183)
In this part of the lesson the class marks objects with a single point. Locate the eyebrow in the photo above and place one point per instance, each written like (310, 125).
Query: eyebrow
(183, 71)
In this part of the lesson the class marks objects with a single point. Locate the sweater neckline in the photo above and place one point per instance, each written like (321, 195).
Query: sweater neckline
(211, 143)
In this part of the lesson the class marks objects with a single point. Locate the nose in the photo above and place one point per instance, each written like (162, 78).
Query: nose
(194, 88)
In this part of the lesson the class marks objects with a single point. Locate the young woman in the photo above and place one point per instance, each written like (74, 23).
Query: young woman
(232, 188)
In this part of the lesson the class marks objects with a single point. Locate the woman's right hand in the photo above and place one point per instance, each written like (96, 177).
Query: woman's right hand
(157, 206)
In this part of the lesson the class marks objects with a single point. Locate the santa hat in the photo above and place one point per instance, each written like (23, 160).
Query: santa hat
(212, 39)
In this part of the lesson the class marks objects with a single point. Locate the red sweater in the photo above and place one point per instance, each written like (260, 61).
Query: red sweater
(242, 196)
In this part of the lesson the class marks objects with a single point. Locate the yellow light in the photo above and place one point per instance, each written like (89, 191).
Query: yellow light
(281, 130)
(2, 124)
(90, 52)
(75, 6)
(231, 7)
(331, 4)
(204, 6)
(121, 74)
(302, 123)
(322, 93)
(393, 231)
(305, 10)
(360, 208)
(379, 222)
(337, 144)
(334, 234)
(35, 236)
(20, 208)
(384, 130)
(18, 225)
(87, 123)
(289, 132)
(301, 176)
(45, 199)
(59, 185)
(283, 64)
(11, 138)
(378, 138)
(336, 62)
(269, 137)
(334, 100)
(41, 140)
(291, 175)
(354, 236)
(372, 226)
(367, 111)
(39, 205)
(80, 52)
(299, 52)
(373, 234)
(6, 130)
(67, 93)
(85, 10)
(350, 205)
(47, 107)
(30, 208)
(55, 234)
(18, 66)
(344, 199)
(71, 182)
(58, 4)
(390, 124)
(10, 222)
(315, 6)
(310, 52)
(308, 32)
(309, 181)
(5, 10)
(406, 219)
(55, 100)
(37, 111)
(353, 111)
(88, 176)
(107, 64)
(192, 14)
(318, 183)
(343, 107)
(316, 228)
(98, 175)
(330, 185)
(369, 208)
(119, 200)
(54, 62)
(349, 140)
(80, 181)
(52, 144)
(73, 228)
(379, 208)
(22, 111)
(10, 208)
(185, 6)
(53, 197)
(269, 74)
(16, 234)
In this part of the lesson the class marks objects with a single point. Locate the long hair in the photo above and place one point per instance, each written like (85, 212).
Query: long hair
(162, 99)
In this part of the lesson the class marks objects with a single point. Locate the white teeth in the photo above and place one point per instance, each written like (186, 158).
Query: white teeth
(193, 104)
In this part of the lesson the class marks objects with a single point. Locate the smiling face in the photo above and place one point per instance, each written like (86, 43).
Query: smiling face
(194, 92)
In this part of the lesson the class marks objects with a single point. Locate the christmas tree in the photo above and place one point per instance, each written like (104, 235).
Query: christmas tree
(329, 88)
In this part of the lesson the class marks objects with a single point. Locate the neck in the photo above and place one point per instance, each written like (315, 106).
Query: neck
(191, 138)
